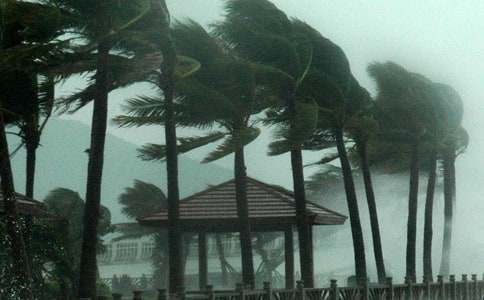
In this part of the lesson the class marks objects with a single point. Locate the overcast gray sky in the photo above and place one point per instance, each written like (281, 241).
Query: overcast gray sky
(441, 39)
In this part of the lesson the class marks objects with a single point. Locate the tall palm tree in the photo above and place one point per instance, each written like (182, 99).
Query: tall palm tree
(105, 25)
(361, 135)
(222, 94)
(167, 84)
(259, 31)
(455, 140)
(406, 104)
(339, 98)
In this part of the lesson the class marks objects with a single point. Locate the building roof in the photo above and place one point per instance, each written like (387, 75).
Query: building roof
(269, 206)
(27, 206)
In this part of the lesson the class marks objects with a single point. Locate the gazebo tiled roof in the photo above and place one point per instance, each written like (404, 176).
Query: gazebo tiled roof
(27, 206)
(268, 205)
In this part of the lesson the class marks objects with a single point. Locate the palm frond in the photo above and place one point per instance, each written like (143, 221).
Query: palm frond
(325, 160)
(292, 137)
(150, 152)
(244, 136)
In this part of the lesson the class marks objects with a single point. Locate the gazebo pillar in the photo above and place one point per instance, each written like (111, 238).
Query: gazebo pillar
(202, 260)
(289, 257)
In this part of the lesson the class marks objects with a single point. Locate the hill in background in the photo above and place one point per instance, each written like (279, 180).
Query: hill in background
(62, 162)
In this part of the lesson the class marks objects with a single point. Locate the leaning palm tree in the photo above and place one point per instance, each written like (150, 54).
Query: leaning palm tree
(259, 31)
(104, 24)
(454, 141)
(406, 103)
(221, 94)
(339, 98)
(362, 128)
(33, 25)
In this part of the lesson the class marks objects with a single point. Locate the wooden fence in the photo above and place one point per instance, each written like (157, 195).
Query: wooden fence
(465, 289)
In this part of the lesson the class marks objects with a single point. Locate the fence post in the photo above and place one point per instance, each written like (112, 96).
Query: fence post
(428, 290)
(474, 287)
(442, 295)
(181, 293)
(453, 287)
(239, 287)
(137, 295)
(390, 291)
(366, 289)
(210, 294)
(300, 290)
(162, 294)
(333, 289)
(268, 290)
(117, 296)
(409, 283)
(465, 287)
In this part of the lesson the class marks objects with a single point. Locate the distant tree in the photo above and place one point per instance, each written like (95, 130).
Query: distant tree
(66, 234)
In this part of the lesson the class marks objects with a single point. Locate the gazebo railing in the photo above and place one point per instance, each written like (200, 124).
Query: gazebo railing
(465, 289)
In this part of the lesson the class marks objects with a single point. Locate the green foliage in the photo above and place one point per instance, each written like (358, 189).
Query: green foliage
(158, 152)
(239, 137)
(142, 199)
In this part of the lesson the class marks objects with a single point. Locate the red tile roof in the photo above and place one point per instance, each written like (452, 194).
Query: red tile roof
(268, 204)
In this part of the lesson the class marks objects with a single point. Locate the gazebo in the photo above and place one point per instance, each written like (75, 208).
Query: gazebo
(271, 208)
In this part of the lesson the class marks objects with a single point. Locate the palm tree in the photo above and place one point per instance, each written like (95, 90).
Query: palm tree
(22, 268)
(105, 25)
(140, 200)
(362, 132)
(221, 93)
(259, 31)
(69, 206)
(34, 94)
(406, 104)
(455, 140)
(339, 98)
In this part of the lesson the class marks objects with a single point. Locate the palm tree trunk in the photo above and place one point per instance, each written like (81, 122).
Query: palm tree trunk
(248, 276)
(356, 231)
(21, 266)
(304, 235)
(449, 192)
(412, 213)
(306, 259)
(88, 265)
(223, 261)
(370, 198)
(31, 145)
(167, 82)
(429, 207)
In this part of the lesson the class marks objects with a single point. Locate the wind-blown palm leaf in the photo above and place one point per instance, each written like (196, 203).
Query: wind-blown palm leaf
(124, 72)
(141, 198)
(151, 152)
(245, 137)
(288, 137)
(261, 32)
(133, 121)
(326, 159)
(195, 98)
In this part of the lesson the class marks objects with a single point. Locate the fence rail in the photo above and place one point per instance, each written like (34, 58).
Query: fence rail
(466, 289)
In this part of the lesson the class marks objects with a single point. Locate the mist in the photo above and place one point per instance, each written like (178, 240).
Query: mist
(439, 39)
